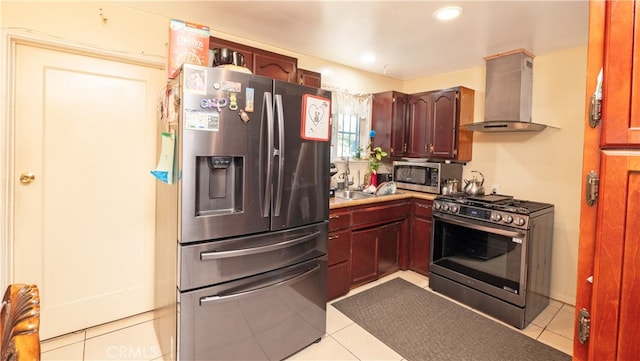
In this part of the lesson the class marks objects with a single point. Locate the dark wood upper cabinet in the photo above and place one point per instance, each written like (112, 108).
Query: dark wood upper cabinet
(420, 108)
(309, 78)
(389, 120)
(435, 124)
(262, 62)
(275, 66)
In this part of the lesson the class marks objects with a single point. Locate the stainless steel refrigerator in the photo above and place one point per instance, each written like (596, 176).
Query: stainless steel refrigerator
(242, 216)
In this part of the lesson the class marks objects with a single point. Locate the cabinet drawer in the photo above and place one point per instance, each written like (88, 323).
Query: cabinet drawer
(422, 209)
(339, 246)
(339, 220)
(379, 214)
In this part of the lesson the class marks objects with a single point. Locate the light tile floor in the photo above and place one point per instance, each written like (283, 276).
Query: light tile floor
(134, 338)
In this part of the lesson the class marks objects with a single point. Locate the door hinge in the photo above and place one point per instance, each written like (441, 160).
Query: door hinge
(595, 111)
(584, 326)
(592, 187)
(595, 107)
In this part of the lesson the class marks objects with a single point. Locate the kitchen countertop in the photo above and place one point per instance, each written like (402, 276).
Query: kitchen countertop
(335, 202)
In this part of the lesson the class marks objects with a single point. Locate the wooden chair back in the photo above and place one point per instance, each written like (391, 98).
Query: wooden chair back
(20, 323)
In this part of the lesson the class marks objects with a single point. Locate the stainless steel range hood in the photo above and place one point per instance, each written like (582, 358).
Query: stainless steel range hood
(508, 94)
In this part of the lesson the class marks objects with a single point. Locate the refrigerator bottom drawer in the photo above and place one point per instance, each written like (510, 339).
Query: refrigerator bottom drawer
(265, 317)
(215, 262)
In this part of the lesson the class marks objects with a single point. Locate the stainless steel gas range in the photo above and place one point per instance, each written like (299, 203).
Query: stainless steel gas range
(493, 253)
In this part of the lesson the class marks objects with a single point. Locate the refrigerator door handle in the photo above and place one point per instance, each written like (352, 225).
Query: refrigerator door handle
(267, 107)
(205, 256)
(294, 279)
(280, 153)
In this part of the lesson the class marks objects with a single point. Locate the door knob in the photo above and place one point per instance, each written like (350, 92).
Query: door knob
(27, 177)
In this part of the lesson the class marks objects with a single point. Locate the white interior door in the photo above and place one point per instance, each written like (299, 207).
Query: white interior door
(85, 128)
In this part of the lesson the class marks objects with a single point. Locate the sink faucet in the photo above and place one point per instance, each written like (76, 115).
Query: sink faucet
(347, 181)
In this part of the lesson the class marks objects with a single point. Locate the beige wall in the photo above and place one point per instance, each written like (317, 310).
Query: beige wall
(543, 166)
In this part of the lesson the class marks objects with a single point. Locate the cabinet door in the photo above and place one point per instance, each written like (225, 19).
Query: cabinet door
(420, 106)
(276, 66)
(389, 120)
(616, 277)
(309, 78)
(364, 255)
(420, 244)
(338, 280)
(382, 120)
(442, 126)
(399, 130)
(621, 90)
(389, 239)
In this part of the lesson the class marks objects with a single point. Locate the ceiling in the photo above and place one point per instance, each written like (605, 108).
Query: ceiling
(407, 41)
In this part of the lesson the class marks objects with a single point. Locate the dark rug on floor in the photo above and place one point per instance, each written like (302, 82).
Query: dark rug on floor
(422, 326)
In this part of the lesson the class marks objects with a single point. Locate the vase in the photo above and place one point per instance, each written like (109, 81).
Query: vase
(373, 180)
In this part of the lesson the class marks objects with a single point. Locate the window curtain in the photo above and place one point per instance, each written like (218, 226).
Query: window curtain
(348, 104)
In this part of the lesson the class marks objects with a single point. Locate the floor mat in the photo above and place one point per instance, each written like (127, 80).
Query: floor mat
(422, 326)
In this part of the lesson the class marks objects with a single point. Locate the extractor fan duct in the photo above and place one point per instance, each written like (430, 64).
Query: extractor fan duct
(508, 94)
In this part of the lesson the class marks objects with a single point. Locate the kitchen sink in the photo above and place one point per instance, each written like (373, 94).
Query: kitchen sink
(353, 195)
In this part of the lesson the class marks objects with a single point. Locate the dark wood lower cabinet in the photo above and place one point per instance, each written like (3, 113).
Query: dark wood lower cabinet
(371, 241)
(378, 240)
(364, 255)
(389, 247)
(420, 240)
(339, 254)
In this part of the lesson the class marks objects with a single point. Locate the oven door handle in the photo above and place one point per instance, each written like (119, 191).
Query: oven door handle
(480, 227)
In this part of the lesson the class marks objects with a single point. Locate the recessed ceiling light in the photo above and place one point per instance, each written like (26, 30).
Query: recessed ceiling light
(368, 58)
(447, 13)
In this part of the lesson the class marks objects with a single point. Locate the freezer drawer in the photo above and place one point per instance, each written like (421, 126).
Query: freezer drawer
(214, 262)
(264, 317)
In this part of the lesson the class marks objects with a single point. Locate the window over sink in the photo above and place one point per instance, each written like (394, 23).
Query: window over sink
(351, 123)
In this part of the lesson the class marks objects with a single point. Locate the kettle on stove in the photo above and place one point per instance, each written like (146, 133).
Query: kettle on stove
(474, 187)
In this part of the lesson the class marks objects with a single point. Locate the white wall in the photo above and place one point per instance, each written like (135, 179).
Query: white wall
(542, 167)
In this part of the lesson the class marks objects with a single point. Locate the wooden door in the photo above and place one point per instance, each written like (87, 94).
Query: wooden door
(622, 72)
(615, 329)
(85, 127)
(420, 107)
(442, 126)
(609, 251)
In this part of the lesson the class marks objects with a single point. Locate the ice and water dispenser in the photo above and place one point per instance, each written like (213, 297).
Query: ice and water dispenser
(219, 185)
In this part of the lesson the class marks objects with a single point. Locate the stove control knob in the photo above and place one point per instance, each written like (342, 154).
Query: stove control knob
(445, 207)
(454, 209)
(496, 217)
(436, 205)
(508, 219)
(519, 221)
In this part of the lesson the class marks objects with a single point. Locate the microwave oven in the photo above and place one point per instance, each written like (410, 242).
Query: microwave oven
(424, 176)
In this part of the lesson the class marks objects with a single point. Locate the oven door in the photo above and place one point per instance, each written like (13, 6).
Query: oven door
(489, 258)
